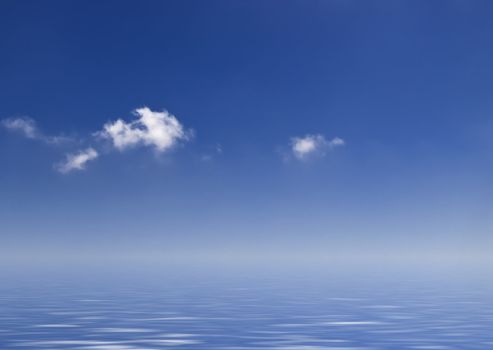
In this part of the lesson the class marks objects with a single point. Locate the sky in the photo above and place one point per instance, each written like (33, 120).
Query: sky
(239, 130)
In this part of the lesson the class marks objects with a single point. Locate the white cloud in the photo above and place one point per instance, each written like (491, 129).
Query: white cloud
(216, 151)
(24, 125)
(160, 130)
(310, 145)
(336, 141)
(77, 161)
(28, 128)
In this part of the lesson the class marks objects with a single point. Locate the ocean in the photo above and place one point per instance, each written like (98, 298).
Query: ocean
(328, 312)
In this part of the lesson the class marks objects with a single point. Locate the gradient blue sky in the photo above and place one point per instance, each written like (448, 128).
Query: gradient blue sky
(408, 86)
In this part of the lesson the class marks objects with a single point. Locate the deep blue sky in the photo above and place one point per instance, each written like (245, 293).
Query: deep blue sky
(407, 85)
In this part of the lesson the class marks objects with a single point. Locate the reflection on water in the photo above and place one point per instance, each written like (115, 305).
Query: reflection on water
(252, 316)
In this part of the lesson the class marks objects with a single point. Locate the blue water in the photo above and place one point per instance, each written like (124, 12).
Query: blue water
(246, 314)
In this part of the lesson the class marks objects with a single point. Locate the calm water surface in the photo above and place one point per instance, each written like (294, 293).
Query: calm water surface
(246, 314)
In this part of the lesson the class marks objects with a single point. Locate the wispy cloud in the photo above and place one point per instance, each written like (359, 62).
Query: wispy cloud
(77, 161)
(28, 128)
(24, 125)
(160, 130)
(209, 156)
(308, 146)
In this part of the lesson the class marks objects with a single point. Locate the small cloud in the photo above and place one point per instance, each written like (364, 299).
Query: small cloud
(206, 157)
(160, 130)
(311, 145)
(24, 125)
(77, 161)
(336, 141)
(29, 129)
(217, 150)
